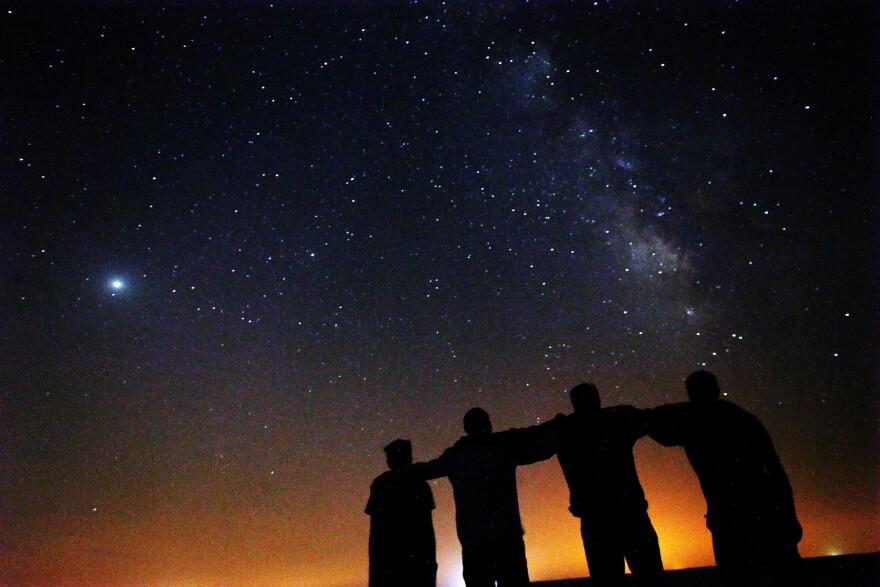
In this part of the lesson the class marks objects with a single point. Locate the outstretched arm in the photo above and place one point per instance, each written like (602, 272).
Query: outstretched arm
(667, 424)
(535, 443)
(432, 469)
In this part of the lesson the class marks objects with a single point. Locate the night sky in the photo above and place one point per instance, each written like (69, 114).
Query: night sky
(243, 246)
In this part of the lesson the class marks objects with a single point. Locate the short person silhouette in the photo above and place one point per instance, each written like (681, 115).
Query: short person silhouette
(751, 513)
(402, 548)
(595, 452)
(481, 466)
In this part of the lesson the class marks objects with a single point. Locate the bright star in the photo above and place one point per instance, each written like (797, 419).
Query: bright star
(117, 284)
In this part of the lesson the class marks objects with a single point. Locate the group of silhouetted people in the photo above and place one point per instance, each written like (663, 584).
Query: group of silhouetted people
(751, 513)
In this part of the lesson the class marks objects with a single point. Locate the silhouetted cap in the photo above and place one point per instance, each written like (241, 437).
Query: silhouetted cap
(585, 397)
(399, 448)
(477, 421)
(702, 386)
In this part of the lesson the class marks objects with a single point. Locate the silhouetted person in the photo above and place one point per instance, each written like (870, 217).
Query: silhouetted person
(481, 467)
(595, 452)
(402, 547)
(751, 514)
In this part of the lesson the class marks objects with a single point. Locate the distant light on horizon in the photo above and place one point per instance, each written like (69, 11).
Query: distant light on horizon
(450, 572)
(453, 582)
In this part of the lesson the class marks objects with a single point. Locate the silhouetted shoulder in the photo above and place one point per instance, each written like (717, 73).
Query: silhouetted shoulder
(745, 425)
(728, 415)
(399, 491)
(465, 442)
(669, 424)
(733, 410)
(435, 468)
(383, 483)
(532, 444)
(626, 414)
(626, 421)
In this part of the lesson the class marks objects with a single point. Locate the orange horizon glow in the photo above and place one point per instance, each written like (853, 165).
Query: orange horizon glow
(322, 542)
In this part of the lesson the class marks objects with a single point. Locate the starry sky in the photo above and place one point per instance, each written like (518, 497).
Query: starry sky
(245, 245)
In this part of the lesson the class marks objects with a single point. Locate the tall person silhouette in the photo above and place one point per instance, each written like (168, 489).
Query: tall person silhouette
(402, 548)
(751, 513)
(595, 452)
(481, 466)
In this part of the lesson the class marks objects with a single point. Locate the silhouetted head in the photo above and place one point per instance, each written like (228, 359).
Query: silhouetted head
(399, 453)
(585, 398)
(477, 422)
(702, 387)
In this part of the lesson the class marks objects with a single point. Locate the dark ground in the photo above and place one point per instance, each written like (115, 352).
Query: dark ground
(855, 570)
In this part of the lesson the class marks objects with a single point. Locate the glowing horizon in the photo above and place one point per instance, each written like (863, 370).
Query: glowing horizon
(260, 551)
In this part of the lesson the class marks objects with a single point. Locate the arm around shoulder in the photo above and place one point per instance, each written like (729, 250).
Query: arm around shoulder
(433, 469)
(667, 424)
(537, 443)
